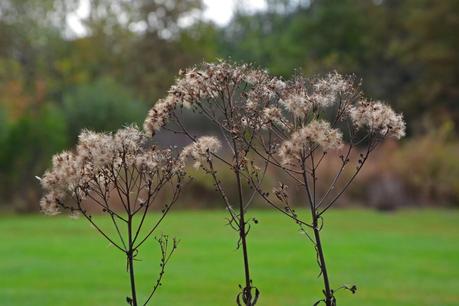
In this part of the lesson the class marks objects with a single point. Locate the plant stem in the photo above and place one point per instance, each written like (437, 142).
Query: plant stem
(323, 267)
(130, 255)
(247, 292)
(243, 235)
(318, 244)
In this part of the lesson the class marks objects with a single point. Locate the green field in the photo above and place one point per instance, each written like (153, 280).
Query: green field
(406, 258)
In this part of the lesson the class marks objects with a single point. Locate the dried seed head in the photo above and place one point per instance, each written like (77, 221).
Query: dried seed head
(209, 81)
(96, 163)
(316, 133)
(201, 150)
(379, 118)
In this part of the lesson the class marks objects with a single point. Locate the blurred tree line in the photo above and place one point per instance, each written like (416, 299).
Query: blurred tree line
(54, 83)
(406, 52)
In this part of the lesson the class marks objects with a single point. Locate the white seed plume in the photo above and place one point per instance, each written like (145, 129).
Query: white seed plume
(379, 118)
(274, 115)
(332, 85)
(159, 115)
(201, 150)
(209, 81)
(316, 133)
(301, 96)
(297, 103)
(96, 162)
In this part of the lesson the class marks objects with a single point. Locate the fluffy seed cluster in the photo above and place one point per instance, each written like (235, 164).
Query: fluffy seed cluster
(316, 133)
(297, 103)
(333, 83)
(327, 90)
(379, 118)
(200, 150)
(301, 95)
(211, 81)
(97, 161)
(274, 115)
(267, 102)
(159, 115)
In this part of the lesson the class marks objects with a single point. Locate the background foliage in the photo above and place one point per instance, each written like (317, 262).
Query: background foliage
(53, 82)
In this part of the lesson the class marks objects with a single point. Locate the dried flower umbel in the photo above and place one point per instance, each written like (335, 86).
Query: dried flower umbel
(319, 116)
(126, 168)
(236, 99)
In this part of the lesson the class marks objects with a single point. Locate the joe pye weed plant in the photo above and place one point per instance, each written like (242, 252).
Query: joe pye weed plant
(312, 118)
(223, 94)
(123, 167)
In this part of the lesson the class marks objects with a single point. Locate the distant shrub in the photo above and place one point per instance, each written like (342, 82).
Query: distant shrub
(24, 153)
(430, 167)
(101, 106)
(421, 171)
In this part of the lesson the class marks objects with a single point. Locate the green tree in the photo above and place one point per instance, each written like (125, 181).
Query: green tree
(26, 146)
(101, 106)
(405, 50)
(428, 47)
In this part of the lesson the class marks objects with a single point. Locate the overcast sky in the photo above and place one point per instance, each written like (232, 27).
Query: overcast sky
(219, 11)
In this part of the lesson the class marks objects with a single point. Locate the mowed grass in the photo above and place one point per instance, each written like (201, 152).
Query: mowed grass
(404, 258)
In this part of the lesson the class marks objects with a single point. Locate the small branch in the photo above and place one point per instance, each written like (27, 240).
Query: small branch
(166, 255)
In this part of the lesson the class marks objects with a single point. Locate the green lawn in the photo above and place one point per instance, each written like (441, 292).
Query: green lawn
(406, 258)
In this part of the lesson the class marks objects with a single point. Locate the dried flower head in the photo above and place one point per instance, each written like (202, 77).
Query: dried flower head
(302, 142)
(297, 103)
(328, 89)
(97, 161)
(210, 81)
(49, 203)
(159, 115)
(201, 150)
(301, 96)
(273, 115)
(379, 118)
